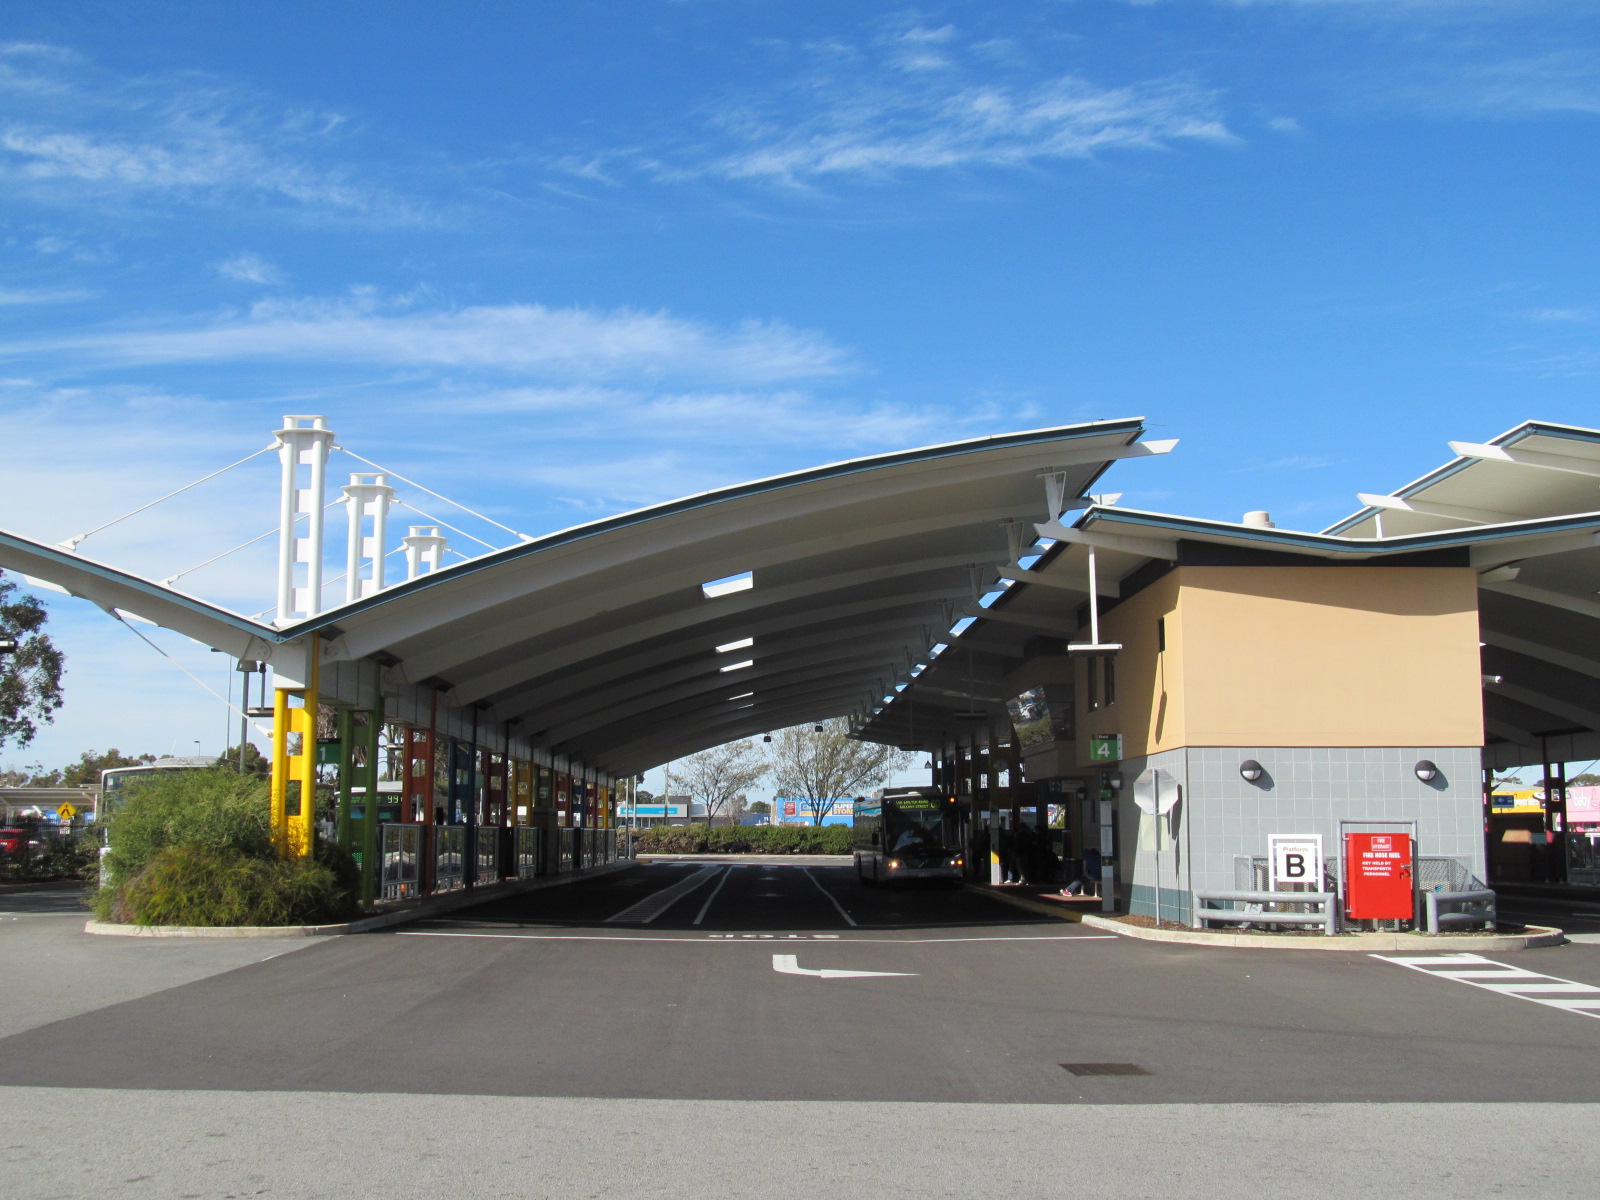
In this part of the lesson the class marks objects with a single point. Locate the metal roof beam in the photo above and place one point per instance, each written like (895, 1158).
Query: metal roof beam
(1524, 591)
(1430, 508)
(1488, 555)
(1165, 548)
(1570, 463)
(1062, 581)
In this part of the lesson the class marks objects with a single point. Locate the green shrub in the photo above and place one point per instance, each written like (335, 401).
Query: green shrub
(217, 809)
(195, 848)
(744, 839)
(203, 885)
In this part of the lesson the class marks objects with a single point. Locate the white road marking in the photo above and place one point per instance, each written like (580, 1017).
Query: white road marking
(656, 903)
(706, 907)
(727, 939)
(849, 920)
(788, 964)
(1507, 980)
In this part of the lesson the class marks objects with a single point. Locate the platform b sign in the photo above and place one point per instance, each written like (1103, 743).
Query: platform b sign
(1296, 860)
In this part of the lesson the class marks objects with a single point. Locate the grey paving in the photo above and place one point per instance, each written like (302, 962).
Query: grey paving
(535, 1047)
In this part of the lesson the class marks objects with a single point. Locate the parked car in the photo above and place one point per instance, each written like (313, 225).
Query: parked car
(14, 841)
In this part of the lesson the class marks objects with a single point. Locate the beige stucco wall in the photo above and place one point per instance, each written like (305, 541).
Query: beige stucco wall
(1329, 656)
(1285, 656)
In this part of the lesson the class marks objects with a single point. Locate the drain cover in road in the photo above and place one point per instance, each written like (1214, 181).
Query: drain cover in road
(1105, 1068)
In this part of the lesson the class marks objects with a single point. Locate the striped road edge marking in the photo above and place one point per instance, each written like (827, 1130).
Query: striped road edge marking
(1549, 990)
(653, 905)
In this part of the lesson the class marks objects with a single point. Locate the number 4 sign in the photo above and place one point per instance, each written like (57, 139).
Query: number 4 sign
(1296, 858)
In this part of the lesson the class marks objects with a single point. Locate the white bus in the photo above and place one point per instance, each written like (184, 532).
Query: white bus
(114, 781)
(908, 833)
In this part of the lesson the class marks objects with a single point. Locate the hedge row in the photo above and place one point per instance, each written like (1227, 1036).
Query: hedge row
(744, 839)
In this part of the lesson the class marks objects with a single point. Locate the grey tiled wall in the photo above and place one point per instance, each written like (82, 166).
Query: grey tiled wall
(1306, 789)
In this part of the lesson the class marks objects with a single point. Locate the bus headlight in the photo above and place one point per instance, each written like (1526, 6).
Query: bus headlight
(955, 862)
(894, 864)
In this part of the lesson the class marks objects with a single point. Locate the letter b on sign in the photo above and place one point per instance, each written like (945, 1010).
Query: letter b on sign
(1296, 859)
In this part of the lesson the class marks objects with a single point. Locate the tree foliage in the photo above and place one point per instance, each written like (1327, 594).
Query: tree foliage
(86, 771)
(817, 768)
(720, 776)
(30, 674)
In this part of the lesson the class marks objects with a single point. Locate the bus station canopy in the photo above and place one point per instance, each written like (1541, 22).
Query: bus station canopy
(1523, 510)
(633, 640)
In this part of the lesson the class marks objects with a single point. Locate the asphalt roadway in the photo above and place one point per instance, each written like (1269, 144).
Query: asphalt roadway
(776, 1029)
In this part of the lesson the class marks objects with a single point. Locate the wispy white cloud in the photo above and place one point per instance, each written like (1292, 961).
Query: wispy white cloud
(1564, 316)
(921, 98)
(10, 296)
(73, 132)
(931, 128)
(248, 267)
(527, 338)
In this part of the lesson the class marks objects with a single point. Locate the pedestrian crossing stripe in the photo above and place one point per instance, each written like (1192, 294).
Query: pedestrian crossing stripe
(1479, 972)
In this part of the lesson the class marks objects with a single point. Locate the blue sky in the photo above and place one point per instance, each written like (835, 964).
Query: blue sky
(561, 260)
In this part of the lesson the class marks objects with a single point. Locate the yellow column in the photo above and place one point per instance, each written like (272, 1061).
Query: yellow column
(294, 762)
(280, 769)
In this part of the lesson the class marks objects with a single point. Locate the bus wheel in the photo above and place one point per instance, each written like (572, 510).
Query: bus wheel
(861, 877)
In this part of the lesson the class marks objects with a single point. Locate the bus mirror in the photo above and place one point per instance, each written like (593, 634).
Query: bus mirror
(874, 837)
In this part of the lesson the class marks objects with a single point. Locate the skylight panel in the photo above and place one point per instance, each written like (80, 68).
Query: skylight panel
(727, 586)
(738, 666)
(741, 644)
(742, 696)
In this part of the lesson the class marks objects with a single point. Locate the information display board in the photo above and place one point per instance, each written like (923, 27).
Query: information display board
(1378, 870)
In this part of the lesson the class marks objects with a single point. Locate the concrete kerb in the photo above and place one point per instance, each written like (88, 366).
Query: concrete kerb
(1536, 937)
(409, 910)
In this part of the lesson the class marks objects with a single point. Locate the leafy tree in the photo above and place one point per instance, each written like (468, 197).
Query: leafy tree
(30, 672)
(256, 764)
(86, 771)
(819, 767)
(1584, 780)
(761, 807)
(718, 777)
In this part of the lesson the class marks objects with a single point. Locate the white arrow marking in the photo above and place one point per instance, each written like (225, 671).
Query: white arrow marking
(789, 964)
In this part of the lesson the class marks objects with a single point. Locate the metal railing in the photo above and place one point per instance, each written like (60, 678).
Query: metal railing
(400, 862)
(486, 855)
(528, 850)
(1253, 873)
(1458, 910)
(1257, 912)
(449, 857)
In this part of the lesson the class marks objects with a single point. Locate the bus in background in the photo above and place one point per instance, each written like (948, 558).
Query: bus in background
(114, 781)
(907, 833)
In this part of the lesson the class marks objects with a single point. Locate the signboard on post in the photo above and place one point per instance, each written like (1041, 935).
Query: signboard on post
(1379, 879)
(1295, 859)
(1105, 748)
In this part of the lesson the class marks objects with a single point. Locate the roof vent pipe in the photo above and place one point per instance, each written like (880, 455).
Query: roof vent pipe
(1259, 519)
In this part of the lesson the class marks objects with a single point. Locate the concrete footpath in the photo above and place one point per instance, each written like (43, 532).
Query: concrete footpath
(1048, 902)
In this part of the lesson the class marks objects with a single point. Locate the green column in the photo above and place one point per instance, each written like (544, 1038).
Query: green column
(369, 823)
(347, 745)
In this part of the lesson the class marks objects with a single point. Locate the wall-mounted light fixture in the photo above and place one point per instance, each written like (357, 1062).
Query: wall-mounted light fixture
(1426, 771)
(816, 729)
(1114, 782)
(766, 737)
(1250, 770)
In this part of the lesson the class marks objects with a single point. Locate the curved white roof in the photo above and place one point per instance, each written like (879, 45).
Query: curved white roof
(600, 642)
